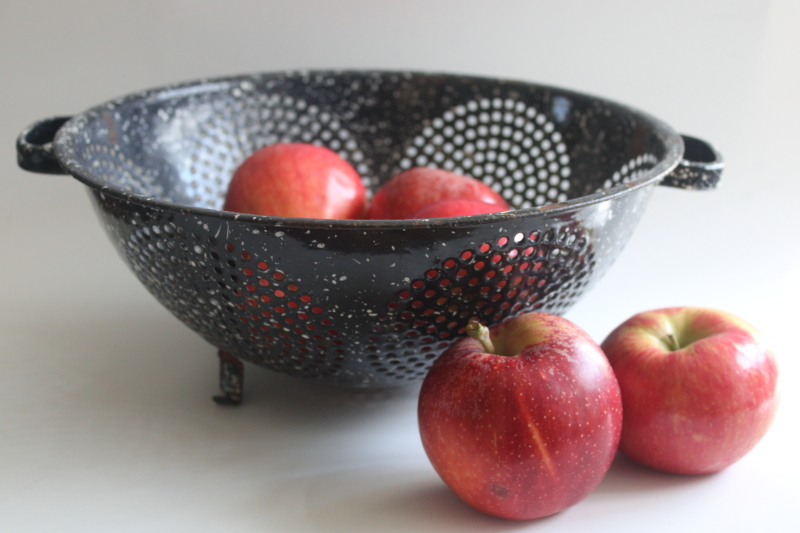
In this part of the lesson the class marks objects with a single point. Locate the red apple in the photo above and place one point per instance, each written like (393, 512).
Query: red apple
(456, 207)
(415, 188)
(698, 388)
(296, 180)
(524, 422)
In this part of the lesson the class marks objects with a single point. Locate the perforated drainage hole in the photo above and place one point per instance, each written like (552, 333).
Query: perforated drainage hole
(514, 274)
(632, 170)
(504, 142)
(250, 120)
(281, 325)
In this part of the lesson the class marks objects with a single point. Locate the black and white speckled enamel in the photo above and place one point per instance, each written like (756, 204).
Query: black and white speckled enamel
(700, 168)
(365, 303)
(35, 146)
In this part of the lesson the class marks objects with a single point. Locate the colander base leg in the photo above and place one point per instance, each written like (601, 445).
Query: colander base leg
(231, 379)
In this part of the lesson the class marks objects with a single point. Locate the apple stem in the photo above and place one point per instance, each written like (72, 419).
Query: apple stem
(480, 333)
(672, 342)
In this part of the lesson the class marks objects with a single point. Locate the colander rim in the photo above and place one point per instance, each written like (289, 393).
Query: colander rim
(65, 155)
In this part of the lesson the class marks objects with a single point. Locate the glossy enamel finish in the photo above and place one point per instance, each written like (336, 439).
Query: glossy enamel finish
(363, 302)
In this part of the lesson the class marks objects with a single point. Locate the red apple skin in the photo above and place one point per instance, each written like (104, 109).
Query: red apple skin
(456, 207)
(523, 435)
(415, 188)
(698, 409)
(296, 180)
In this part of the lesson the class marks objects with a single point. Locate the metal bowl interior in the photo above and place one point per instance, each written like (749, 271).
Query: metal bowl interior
(365, 303)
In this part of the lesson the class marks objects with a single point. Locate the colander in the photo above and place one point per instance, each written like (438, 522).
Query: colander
(358, 302)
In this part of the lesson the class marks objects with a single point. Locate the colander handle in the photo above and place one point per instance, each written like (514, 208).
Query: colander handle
(35, 146)
(699, 169)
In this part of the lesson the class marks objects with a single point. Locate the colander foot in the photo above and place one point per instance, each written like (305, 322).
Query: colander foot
(231, 379)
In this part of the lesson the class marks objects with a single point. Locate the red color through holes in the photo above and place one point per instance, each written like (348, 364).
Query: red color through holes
(229, 247)
(449, 263)
(316, 310)
(305, 298)
(502, 241)
(497, 258)
(418, 284)
(431, 274)
(246, 256)
(263, 283)
(292, 287)
(293, 305)
(466, 255)
(265, 298)
(405, 295)
(247, 272)
(277, 275)
(262, 265)
(251, 288)
(485, 247)
(302, 316)
(279, 293)
(393, 305)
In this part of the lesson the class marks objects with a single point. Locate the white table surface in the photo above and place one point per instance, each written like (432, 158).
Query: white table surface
(106, 418)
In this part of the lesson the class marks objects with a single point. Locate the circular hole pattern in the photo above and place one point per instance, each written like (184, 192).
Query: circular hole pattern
(515, 274)
(632, 170)
(506, 143)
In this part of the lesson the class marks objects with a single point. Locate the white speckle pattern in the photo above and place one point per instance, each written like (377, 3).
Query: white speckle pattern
(363, 303)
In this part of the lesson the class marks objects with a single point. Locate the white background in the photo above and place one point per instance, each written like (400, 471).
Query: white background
(106, 421)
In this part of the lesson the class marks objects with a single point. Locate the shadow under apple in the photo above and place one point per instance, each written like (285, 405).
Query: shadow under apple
(627, 476)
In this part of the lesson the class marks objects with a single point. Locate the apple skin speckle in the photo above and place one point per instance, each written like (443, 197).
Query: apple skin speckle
(528, 431)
